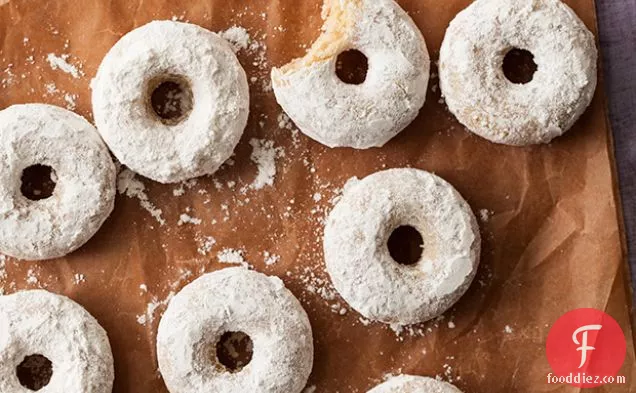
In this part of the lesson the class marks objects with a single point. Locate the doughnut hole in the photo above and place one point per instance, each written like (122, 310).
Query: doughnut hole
(519, 66)
(35, 372)
(234, 351)
(171, 99)
(352, 67)
(38, 182)
(405, 245)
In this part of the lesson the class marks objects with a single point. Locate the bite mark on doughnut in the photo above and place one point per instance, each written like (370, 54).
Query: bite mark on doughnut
(340, 18)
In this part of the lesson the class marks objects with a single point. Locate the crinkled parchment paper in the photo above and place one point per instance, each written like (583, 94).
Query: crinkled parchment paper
(548, 214)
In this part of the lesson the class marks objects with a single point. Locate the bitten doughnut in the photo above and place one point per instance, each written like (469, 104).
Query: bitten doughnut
(52, 344)
(235, 300)
(57, 181)
(413, 384)
(362, 116)
(205, 101)
(360, 257)
(473, 81)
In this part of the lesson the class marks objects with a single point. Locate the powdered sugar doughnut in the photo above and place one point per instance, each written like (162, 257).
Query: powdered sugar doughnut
(337, 114)
(413, 384)
(478, 92)
(40, 333)
(235, 300)
(207, 107)
(64, 153)
(358, 255)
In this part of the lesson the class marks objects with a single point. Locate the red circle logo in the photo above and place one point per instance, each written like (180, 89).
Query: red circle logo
(586, 348)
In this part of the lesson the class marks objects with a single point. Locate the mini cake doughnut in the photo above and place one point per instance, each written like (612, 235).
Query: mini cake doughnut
(477, 91)
(55, 330)
(337, 114)
(235, 300)
(207, 108)
(358, 255)
(414, 384)
(64, 151)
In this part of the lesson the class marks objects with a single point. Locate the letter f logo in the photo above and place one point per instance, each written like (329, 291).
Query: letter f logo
(584, 348)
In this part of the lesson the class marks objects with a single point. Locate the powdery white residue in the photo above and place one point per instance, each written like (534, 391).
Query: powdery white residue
(485, 214)
(32, 278)
(508, 329)
(264, 155)
(187, 219)
(134, 188)
(51, 88)
(61, 63)
(70, 99)
(205, 244)
(232, 256)
(237, 36)
(156, 303)
(79, 278)
(271, 259)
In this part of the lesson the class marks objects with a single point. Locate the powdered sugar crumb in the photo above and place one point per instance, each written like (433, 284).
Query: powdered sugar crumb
(205, 244)
(264, 155)
(134, 188)
(187, 219)
(270, 259)
(61, 63)
(232, 256)
(237, 36)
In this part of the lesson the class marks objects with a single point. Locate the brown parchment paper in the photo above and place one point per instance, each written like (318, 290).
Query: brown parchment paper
(552, 238)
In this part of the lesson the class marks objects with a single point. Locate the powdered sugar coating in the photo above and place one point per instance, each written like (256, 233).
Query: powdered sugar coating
(54, 326)
(414, 384)
(233, 300)
(84, 195)
(337, 114)
(358, 258)
(486, 102)
(194, 146)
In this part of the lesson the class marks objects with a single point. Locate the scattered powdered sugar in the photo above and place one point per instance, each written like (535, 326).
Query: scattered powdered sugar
(134, 188)
(70, 99)
(238, 37)
(32, 278)
(484, 215)
(187, 219)
(79, 278)
(156, 303)
(271, 259)
(61, 63)
(264, 155)
(508, 329)
(232, 256)
(205, 244)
